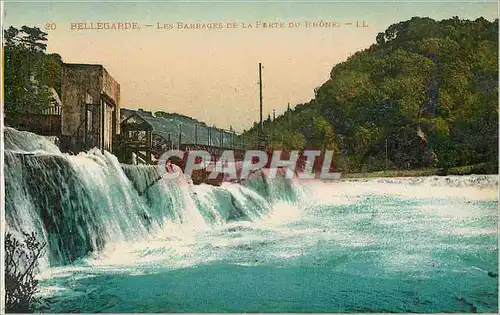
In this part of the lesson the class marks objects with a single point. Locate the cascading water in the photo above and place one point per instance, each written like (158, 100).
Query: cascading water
(119, 244)
(80, 203)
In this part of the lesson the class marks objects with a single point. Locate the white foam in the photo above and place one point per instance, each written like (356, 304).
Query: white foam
(345, 191)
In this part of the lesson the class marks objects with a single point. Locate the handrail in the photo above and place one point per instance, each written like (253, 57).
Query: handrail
(78, 128)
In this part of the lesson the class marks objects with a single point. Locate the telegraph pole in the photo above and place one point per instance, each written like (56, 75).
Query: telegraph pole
(196, 134)
(180, 136)
(260, 97)
(433, 95)
(262, 143)
(386, 155)
(289, 112)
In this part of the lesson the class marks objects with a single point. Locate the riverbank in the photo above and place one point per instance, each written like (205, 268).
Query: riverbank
(477, 169)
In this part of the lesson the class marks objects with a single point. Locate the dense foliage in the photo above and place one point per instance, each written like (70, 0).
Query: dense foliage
(29, 70)
(425, 94)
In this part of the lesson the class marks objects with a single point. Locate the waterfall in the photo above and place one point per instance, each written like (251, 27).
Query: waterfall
(80, 203)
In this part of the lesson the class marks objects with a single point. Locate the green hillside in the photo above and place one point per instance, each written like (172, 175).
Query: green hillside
(425, 94)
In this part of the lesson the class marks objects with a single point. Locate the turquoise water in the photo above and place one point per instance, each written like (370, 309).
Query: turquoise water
(272, 246)
(374, 254)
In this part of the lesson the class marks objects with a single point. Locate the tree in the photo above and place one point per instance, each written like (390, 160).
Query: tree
(429, 89)
(162, 114)
(29, 71)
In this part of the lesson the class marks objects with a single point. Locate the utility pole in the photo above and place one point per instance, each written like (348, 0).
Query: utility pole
(260, 97)
(433, 95)
(196, 134)
(261, 129)
(180, 136)
(386, 155)
(289, 112)
(262, 143)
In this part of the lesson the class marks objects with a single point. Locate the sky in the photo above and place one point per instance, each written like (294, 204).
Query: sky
(212, 74)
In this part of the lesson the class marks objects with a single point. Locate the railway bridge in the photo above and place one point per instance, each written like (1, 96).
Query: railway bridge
(145, 137)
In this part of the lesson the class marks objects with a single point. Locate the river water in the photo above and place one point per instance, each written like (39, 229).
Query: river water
(381, 245)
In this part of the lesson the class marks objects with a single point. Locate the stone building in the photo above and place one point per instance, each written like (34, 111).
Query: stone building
(90, 116)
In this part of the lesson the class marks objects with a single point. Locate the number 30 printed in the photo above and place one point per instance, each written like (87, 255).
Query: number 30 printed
(50, 26)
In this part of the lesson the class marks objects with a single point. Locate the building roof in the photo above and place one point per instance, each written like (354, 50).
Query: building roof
(174, 124)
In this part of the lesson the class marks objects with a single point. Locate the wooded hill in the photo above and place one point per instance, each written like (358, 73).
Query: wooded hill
(427, 91)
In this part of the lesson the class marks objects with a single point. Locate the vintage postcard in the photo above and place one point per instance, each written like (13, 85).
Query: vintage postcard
(250, 157)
